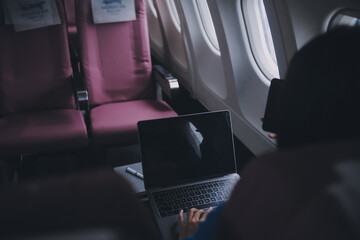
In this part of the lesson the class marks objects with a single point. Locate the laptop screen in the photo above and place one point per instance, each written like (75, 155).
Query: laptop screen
(186, 148)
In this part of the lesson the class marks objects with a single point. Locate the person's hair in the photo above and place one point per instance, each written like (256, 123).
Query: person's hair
(320, 100)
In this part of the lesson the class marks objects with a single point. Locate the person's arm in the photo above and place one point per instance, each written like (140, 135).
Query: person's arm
(201, 225)
(194, 216)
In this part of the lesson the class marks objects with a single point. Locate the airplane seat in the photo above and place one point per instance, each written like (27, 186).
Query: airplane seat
(89, 205)
(37, 104)
(117, 70)
(71, 21)
(306, 193)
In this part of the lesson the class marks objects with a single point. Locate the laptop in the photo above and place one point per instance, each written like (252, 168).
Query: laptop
(188, 161)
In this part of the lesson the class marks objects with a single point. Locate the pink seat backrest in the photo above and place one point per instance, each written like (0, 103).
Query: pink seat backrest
(115, 57)
(35, 69)
(70, 12)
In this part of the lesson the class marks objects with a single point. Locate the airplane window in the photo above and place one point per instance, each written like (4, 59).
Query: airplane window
(345, 18)
(207, 22)
(152, 7)
(174, 13)
(260, 37)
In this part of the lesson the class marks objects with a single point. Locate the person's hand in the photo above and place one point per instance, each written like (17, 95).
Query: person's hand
(270, 135)
(194, 216)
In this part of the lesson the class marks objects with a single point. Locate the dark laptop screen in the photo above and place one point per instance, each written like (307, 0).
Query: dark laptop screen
(186, 148)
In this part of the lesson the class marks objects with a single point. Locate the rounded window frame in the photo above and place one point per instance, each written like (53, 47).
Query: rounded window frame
(266, 62)
(207, 25)
(152, 7)
(174, 14)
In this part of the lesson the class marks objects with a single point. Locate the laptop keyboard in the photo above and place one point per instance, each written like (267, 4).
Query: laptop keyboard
(200, 196)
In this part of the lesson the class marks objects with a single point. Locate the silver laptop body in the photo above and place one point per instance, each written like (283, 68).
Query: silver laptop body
(188, 161)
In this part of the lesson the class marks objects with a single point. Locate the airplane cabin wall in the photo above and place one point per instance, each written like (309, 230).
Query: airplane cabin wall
(155, 36)
(248, 86)
(230, 78)
(170, 50)
(206, 63)
(309, 18)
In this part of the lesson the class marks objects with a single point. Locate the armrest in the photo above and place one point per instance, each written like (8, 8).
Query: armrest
(168, 83)
(81, 93)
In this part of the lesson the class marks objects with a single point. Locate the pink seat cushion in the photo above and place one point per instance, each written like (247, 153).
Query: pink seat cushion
(42, 131)
(117, 122)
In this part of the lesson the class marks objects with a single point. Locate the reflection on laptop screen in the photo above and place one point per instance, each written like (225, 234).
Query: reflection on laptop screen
(186, 148)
